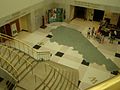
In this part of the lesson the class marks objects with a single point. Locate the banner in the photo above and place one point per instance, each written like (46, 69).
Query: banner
(56, 15)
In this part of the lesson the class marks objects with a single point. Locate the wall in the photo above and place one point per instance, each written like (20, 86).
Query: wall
(24, 23)
(9, 7)
(113, 16)
(38, 8)
(35, 11)
(113, 6)
(41, 11)
(89, 14)
(65, 4)
(72, 10)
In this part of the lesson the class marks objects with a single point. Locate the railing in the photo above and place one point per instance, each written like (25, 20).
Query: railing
(110, 84)
(17, 57)
(55, 76)
(13, 71)
(21, 88)
(67, 79)
(38, 80)
(13, 42)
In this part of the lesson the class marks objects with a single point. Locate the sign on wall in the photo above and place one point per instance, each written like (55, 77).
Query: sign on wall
(14, 29)
(56, 15)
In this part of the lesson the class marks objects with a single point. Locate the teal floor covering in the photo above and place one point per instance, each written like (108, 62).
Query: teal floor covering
(73, 38)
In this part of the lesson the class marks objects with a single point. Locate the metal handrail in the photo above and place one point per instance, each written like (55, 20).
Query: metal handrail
(17, 55)
(19, 87)
(24, 44)
(9, 38)
(62, 75)
(107, 84)
(41, 80)
(1, 58)
(33, 50)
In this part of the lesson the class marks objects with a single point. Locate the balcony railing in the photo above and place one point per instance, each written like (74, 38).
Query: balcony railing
(13, 42)
(11, 70)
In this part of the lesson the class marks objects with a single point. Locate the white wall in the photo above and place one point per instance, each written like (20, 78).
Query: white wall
(8, 7)
(89, 14)
(72, 10)
(36, 8)
(115, 3)
(39, 12)
(111, 5)
(34, 19)
(24, 23)
(113, 17)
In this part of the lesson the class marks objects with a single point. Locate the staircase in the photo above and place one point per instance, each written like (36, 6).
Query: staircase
(32, 73)
(18, 60)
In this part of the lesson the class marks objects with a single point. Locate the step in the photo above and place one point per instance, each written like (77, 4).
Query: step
(26, 71)
(28, 82)
(41, 86)
(56, 82)
(72, 74)
(48, 79)
(56, 77)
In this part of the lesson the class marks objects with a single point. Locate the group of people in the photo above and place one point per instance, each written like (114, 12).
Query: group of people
(96, 34)
(90, 32)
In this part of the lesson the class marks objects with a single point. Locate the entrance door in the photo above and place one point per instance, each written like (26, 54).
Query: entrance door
(98, 15)
(2, 30)
(80, 12)
(118, 23)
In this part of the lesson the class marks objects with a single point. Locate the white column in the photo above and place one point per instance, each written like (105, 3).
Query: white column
(32, 21)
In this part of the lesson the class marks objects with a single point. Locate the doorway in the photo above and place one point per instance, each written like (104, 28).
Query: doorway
(98, 15)
(80, 12)
(25, 23)
(2, 30)
(118, 23)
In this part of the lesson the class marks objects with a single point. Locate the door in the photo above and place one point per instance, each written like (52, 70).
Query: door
(118, 23)
(98, 15)
(80, 12)
(2, 30)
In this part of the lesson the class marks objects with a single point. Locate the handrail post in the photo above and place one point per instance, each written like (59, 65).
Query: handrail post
(54, 73)
(45, 68)
(38, 56)
(35, 79)
(64, 76)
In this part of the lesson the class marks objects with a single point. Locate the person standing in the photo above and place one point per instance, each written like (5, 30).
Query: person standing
(111, 36)
(102, 38)
(88, 33)
(93, 31)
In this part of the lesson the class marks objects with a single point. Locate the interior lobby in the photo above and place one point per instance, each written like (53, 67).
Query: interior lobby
(97, 63)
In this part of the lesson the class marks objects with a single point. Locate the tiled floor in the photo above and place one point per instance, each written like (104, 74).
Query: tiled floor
(89, 74)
